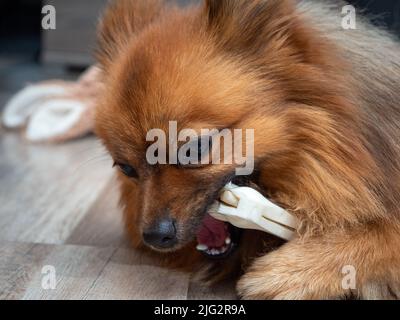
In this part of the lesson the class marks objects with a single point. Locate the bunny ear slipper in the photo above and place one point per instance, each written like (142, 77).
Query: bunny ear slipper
(55, 111)
(18, 110)
(59, 119)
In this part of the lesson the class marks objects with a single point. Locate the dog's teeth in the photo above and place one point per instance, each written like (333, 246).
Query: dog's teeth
(202, 247)
(228, 241)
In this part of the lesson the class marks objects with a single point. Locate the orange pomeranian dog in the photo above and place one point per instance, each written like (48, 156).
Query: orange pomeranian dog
(323, 102)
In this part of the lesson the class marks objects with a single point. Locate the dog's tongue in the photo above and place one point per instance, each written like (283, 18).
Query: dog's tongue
(212, 233)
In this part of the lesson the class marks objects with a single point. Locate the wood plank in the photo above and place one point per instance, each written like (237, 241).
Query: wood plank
(94, 273)
(223, 291)
(46, 190)
(131, 275)
(83, 272)
(15, 269)
(102, 225)
(76, 270)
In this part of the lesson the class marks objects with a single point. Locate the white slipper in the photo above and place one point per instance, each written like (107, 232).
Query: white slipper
(24, 103)
(55, 118)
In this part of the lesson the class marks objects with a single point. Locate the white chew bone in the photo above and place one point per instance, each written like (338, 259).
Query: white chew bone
(248, 209)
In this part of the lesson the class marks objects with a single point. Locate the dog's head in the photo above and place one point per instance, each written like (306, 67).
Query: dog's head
(223, 65)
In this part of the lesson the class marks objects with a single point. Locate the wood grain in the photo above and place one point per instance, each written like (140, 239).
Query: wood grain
(77, 268)
(16, 269)
(223, 291)
(132, 275)
(102, 224)
(46, 191)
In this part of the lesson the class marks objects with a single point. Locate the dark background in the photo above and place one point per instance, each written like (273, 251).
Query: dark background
(20, 29)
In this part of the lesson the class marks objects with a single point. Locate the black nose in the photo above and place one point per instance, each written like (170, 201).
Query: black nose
(162, 234)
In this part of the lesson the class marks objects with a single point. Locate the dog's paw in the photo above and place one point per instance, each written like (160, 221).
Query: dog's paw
(307, 271)
(287, 275)
(380, 291)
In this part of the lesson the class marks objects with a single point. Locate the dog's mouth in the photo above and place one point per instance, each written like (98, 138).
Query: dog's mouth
(217, 239)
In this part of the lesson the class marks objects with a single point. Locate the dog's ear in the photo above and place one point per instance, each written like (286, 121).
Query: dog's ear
(121, 21)
(249, 24)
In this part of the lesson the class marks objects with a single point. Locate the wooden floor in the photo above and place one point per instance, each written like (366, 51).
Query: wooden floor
(58, 207)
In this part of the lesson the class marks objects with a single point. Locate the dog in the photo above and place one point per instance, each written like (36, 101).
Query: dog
(323, 102)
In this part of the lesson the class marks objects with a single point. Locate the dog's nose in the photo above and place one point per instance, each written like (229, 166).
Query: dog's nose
(162, 234)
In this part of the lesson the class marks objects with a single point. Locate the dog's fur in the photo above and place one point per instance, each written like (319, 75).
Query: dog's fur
(324, 103)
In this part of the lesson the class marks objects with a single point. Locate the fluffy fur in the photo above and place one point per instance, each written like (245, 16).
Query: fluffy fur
(324, 105)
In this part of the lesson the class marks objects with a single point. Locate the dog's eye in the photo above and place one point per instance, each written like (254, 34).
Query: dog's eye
(127, 170)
